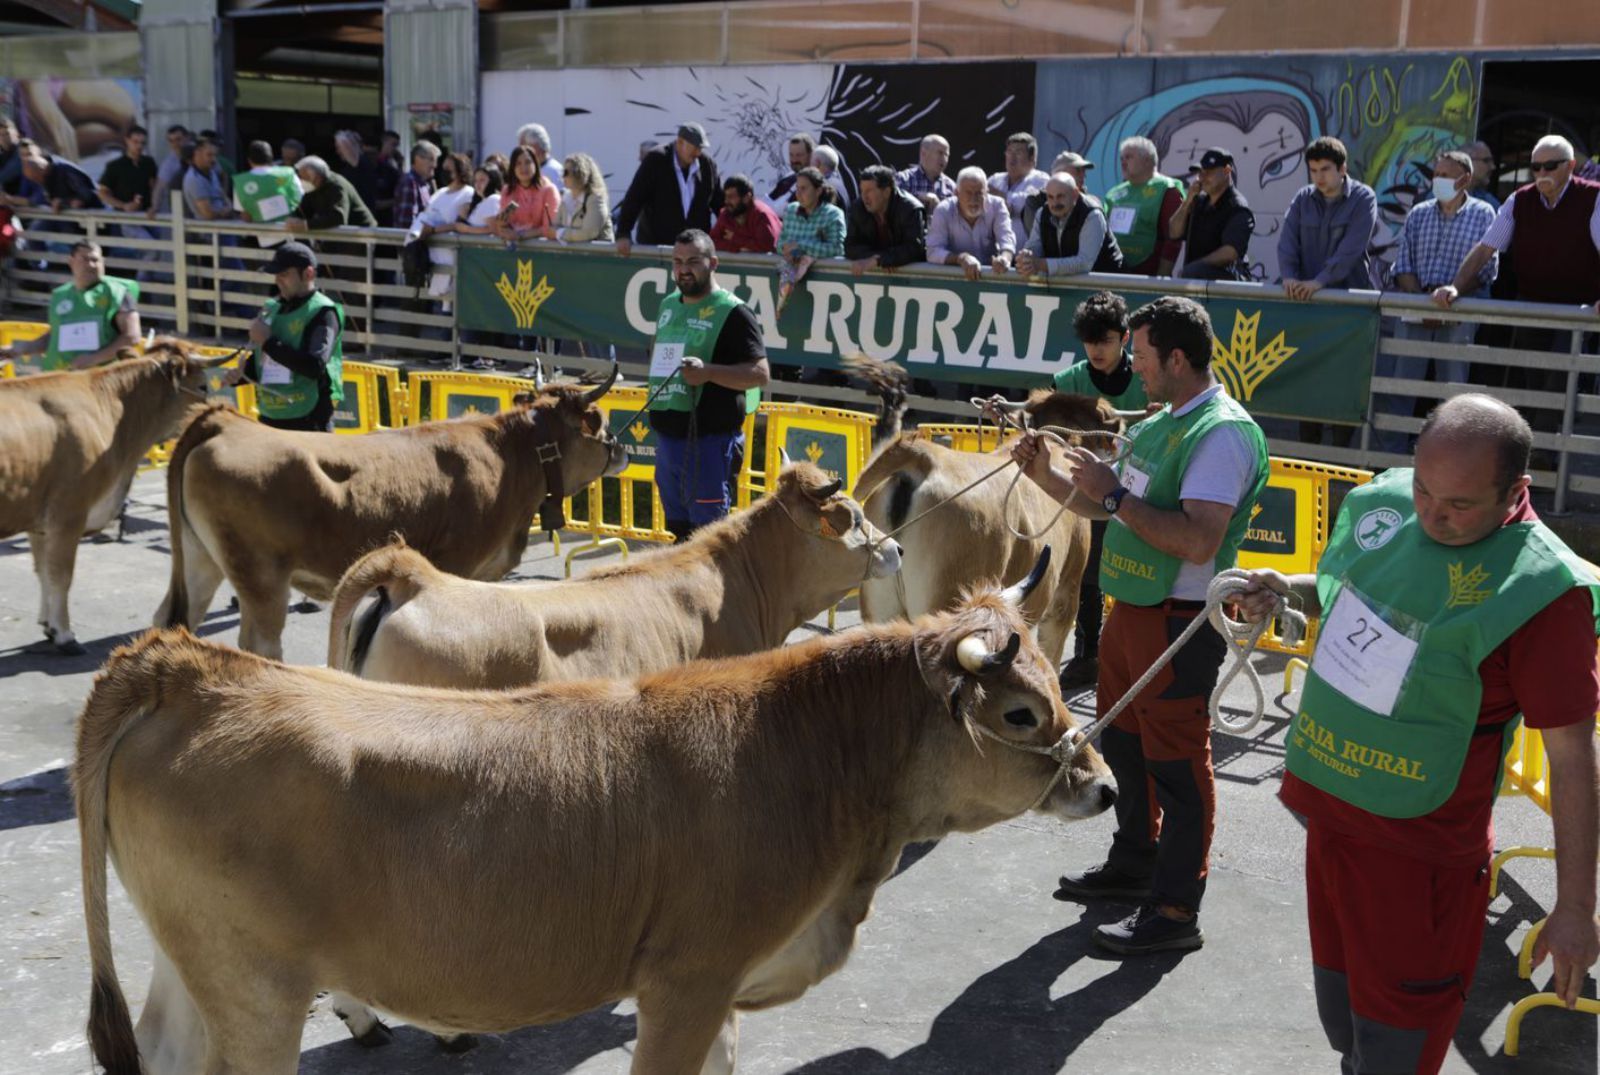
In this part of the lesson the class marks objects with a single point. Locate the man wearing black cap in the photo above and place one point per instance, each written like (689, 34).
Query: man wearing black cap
(1214, 220)
(675, 188)
(298, 364)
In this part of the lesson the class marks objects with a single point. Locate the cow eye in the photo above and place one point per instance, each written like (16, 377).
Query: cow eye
(1022, 718)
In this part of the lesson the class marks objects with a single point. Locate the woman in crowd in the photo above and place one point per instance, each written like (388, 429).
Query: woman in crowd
(442, 213)
(585, 217)
(810, 227)
(478, 215)
(529, 204)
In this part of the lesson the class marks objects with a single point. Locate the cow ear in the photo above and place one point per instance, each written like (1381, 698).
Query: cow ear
(523, 399)
(941, 670)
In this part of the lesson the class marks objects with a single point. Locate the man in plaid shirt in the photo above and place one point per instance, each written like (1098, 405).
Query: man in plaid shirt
(1438, 235)
(412, 193)
(927, 180)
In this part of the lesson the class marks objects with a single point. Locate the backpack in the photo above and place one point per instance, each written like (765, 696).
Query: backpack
(415, 264)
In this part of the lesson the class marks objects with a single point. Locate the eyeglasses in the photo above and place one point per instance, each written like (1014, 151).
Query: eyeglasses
(1545, 166)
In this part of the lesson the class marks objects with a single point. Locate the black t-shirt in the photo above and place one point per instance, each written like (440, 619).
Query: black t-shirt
(125, 177)
(1228, 223)
(721, 410)
(1118, 381)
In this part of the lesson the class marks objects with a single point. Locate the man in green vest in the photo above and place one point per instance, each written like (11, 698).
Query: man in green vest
(1449, 614)
(268, 193)
(92, 318)
(298, 364)
(1179, 503)
(708, 364)
(1139, 208)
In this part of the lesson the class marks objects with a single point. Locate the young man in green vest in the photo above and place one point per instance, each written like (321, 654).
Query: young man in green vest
(709, 363)
(298, 364)
(1449, 613)
(267, 193)
(1179, 503)
(1139, 208)
(92, 318)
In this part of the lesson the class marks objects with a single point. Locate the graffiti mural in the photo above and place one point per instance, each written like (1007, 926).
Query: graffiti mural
(1394, 113)
(83, 120)
(871, 114)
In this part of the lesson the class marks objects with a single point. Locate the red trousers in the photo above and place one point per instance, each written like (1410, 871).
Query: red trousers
(1394, 944)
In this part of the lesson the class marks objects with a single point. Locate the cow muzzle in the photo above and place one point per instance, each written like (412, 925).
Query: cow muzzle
(886, 557)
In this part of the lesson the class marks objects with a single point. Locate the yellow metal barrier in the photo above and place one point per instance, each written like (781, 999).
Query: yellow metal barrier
(838, 441)
(966, 438)
(15, 332)
(7, 370)
(435, 396)
(366, 387)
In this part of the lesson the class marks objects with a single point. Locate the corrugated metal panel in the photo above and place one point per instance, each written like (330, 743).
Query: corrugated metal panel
(180, 63)
(431, 57)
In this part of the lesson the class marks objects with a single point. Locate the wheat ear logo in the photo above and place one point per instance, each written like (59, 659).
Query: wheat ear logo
(526, 298)
(814, 452)
(1466, 587)
(639, 430)
(1242, 365)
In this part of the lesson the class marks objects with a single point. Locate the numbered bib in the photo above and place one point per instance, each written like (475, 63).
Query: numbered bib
(1122, 218)
(274, 372)
(1362, 655)
(79, 336)
(665, 359)
(273, 208)
(1136, 482)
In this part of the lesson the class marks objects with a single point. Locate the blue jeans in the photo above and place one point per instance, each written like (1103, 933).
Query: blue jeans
(1415, 368)
(694, 478)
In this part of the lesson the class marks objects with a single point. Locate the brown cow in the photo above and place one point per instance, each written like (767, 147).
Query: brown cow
(70, 443)
(967, 539)
(706, 839)
(739, 586)
(270, 509)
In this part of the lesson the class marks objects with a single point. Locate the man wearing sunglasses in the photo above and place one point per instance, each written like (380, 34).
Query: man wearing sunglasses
(1549, 231)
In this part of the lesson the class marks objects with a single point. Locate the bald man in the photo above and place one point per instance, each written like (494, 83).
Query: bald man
(1070, 237)
(1449, 613)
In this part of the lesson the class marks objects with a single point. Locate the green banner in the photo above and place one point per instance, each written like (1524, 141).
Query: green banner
(1277, 357)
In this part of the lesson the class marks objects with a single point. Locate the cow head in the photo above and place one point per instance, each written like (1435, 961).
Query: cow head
(837, 546)
(1011, 726)
(570, 441)
(183, 366)
(1088, 414)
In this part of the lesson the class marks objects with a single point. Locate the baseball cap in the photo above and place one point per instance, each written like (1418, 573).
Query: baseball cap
(292, 255)
(1074, 160)
(694, 134)
(1214, 157)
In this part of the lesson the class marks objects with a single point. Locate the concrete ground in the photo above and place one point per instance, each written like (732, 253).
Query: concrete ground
(967, 965)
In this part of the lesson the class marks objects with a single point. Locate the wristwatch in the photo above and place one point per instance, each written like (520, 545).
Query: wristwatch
(1113, 500)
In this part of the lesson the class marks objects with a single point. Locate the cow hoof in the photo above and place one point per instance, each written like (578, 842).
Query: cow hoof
(376, 1037)
(457, 1043)
(70, 648)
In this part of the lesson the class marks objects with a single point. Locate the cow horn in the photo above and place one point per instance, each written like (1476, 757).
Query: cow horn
(827, 492)
(1140, 414)
(783, 457)
(980, 660)
(538, 375)
(1015, 595)
(1007, 405)
(594, 394)
(208, 362)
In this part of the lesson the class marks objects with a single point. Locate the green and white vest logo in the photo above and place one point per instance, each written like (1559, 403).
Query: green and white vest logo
(1377, 528)
(64, 306)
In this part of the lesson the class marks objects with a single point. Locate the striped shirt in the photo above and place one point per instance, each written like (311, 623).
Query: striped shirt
(819, 233)
(1433, 246)
(915, 181)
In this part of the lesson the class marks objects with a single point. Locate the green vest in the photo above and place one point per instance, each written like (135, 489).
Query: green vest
(1134, 214)
(689, 330)
(1075, 379)
(1392, 700)
(268, 194)
(282, 393)
(83, 322)
(1135, 571)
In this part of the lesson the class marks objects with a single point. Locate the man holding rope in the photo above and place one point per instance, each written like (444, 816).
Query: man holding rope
(1179, 503)
(298, 364)
(1449, 612)
(708, 365)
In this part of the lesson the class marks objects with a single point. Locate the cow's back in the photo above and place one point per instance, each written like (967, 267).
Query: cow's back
(51, 435)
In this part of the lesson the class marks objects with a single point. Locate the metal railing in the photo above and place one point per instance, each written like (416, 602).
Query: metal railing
(221, 285)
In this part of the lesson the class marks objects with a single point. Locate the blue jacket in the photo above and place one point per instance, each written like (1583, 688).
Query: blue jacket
(1329, 242)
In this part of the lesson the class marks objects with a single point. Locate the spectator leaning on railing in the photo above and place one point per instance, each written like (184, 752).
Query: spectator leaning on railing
(826, 160)
(1215, 221)
(927, 181)
(441, 215)
(1139, 208)
(973, 229)
(330, 200)
(65, 185)
(415, 189)
(886, 227)
(1070, 237)
(745, 225)
(267, 193)
(529, 204)
(1021, 177)
(205, 192)
(1075, 165)
(800, 148)
(480, 213)
(536, 138)
(676, 187)
(127, 182)
(293, 152)
(1438, 235)
(585, 216)
(169, 175)
(811, 227)
(352, 162)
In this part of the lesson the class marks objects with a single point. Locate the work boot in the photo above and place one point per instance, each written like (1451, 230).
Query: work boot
(1082, 671)
(1103, 882)
(1148, 931)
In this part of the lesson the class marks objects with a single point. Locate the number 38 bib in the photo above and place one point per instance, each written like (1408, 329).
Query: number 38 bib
(1393, 695)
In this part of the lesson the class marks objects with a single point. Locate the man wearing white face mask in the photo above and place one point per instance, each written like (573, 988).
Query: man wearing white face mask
(1439, 233)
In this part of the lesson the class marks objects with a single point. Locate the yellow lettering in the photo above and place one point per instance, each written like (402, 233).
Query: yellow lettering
(1131, 566)
(1274, 537)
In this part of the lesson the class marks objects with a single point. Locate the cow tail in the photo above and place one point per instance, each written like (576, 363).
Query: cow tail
(199, 430)
(396, 571)
(123, 693)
